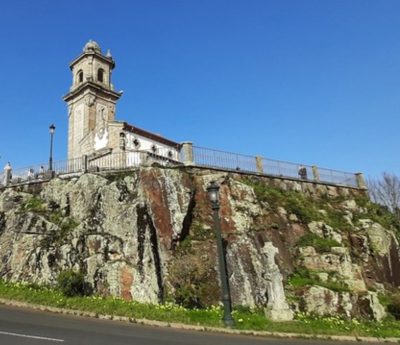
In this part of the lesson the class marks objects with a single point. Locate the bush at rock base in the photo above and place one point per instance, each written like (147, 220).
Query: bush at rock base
(73, 283)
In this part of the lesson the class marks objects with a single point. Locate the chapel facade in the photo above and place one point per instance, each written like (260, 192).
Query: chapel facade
(92, 128)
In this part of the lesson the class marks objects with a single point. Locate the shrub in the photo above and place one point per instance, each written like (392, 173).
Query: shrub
(383, 216)
(72, 283)
(392, 303)
(192, 277)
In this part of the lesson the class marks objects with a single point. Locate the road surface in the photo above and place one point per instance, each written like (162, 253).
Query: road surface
(25, 326)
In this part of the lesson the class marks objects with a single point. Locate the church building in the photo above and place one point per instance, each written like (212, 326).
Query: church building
(92, 128)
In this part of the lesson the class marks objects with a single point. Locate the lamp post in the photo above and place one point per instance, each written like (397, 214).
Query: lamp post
(52, 129)
(213, 193)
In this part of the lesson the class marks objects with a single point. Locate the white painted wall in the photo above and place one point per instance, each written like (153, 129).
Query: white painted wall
(146, 144)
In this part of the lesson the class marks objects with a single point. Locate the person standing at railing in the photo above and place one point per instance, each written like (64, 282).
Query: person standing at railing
(7, 174)
(31, 174)
(41, 172)
(302, 172)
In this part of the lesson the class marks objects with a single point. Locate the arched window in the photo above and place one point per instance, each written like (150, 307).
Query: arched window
(100, 75)
(122, 141)
(80, 76)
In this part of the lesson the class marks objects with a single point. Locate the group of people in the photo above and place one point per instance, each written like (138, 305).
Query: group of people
(32, 175)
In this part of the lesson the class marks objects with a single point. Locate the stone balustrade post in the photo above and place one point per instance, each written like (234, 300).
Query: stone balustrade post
(259, 164)
(360, 181)
(123, 159)
(144, 158)
(7, 177)
(187, 148)
(315, 173)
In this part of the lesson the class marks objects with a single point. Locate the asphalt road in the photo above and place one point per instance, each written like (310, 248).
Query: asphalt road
(24, 326)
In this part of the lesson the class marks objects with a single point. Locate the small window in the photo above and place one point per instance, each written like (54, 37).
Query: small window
(154, 148)
(136, 142)
(80, 76)
(100, 75)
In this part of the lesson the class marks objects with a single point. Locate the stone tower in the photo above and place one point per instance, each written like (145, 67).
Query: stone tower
(91, 101)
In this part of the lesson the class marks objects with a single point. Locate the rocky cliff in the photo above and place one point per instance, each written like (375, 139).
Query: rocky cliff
(147, 235)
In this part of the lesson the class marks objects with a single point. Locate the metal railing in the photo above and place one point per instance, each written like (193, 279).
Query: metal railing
(286, 169)
(225, 160)
(255, 164)
(31, 172)
(68, 166)
(337, 177)
(199, 156)
(114, 161)
(109, 161)
(129, 159)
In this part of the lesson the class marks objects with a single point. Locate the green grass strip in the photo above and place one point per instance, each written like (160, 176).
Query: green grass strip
(245, 319)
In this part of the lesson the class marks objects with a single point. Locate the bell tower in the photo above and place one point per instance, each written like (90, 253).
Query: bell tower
(91, 101)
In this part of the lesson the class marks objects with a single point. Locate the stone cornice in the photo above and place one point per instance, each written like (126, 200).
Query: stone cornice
(106, 59)
(93, 86)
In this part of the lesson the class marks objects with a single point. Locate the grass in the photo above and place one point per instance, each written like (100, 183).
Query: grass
(321, 245)
(304, 277)
(245, 319)
(307, 209)
(35, 204)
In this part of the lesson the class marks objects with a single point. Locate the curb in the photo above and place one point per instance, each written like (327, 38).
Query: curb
(182, 326)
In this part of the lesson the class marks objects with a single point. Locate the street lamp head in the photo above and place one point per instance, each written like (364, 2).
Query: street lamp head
(213, 192)
(52, 128)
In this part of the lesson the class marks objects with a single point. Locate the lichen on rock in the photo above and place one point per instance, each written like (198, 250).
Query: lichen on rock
(148, 235)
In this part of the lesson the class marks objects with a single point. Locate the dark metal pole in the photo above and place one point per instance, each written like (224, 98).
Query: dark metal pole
(51, 153)
(52, 129)
(226, 295)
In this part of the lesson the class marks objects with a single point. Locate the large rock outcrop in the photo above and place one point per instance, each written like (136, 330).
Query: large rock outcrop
(147, 235)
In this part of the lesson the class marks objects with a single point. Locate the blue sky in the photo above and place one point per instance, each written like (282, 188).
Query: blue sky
(306, 81)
